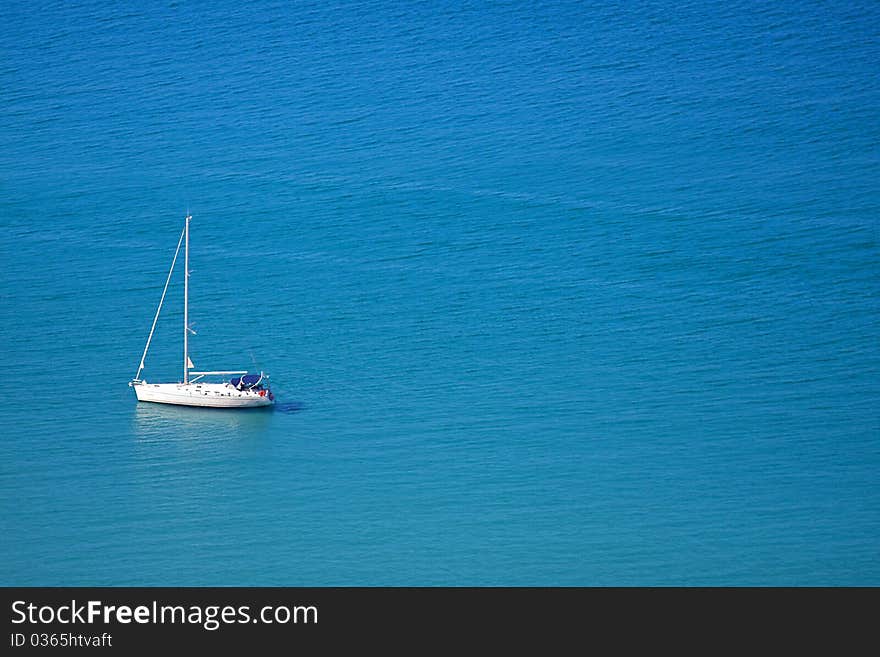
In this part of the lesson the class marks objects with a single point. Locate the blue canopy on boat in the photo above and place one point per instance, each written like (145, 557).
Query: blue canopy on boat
(246, 381)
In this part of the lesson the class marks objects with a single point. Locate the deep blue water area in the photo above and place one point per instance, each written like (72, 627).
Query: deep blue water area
(549, 294)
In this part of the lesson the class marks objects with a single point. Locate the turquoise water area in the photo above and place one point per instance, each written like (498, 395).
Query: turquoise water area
(569, 294)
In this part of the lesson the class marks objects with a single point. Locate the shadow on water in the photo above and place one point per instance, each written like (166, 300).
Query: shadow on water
(289, 407)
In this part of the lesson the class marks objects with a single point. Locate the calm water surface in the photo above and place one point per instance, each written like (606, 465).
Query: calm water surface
(577, 294)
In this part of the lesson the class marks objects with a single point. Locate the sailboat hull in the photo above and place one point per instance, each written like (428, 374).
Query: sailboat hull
(210, 395)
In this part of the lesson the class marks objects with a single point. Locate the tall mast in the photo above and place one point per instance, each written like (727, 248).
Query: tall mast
(186, 304)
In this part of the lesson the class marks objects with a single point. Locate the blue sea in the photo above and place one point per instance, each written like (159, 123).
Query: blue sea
(564, 293)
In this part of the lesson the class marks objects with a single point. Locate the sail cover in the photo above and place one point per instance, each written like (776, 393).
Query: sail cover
(246, 381)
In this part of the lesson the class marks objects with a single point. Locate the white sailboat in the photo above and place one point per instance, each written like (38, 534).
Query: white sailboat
(242, 390)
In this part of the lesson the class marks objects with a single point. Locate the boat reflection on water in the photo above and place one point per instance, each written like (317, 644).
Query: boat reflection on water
(182, 424)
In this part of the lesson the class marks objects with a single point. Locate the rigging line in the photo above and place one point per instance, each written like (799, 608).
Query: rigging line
(161, 301)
